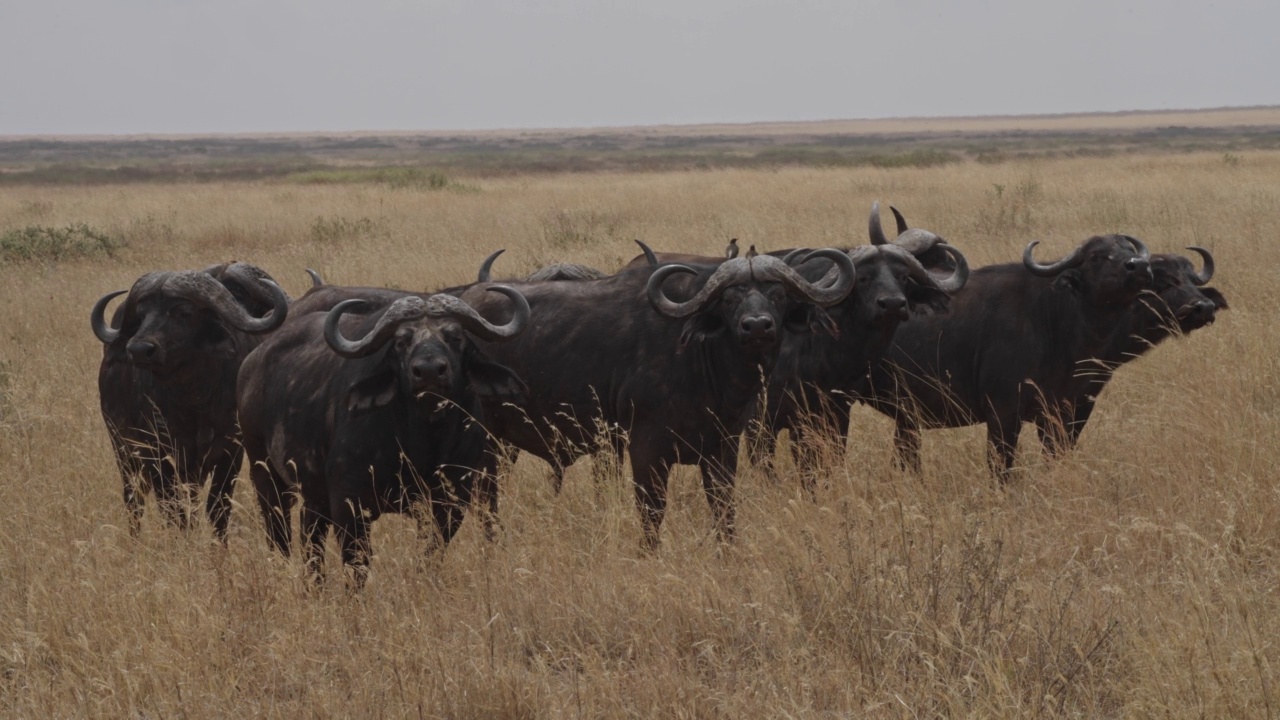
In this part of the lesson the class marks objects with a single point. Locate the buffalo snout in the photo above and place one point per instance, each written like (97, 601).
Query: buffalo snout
(758, 328)
(1200, 313)
(429, 372)
(894, 306)
(144, 352)
(1139, 270)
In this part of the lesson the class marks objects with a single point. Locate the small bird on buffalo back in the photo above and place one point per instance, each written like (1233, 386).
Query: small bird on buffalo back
(751, 251)
(731, 251)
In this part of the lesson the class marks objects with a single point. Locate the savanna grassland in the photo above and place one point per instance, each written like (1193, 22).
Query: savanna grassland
(1137, 577)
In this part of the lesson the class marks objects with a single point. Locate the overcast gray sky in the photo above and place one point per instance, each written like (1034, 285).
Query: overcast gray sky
(169, 66)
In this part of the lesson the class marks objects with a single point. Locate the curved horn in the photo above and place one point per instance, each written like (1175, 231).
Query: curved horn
(952, 283)
(648, 253)
(917, 241)
(874, 228)
(442, 305)
(203, 289)
(796, 257)
(670, 308)
(1206, 274)
(98, 322)
(823, 293)
(1139, 246)
(486, 267)
(316, 280)
(902, 222)
(402, 310)
(1028, 260)
(253, 280)
(949, 283)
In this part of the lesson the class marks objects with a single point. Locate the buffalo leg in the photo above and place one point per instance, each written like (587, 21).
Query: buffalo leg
(1079, 418)
(218, 504)
(718, 474)
(315, 528)
(450, 500)
(485, 496)
(447, 512)
(1054, 431)
(650, 472)
(1002, 442)
(276, 504)
(171, 494)
(906, 445)
(762, 444)
(133, 477)
(352, 520)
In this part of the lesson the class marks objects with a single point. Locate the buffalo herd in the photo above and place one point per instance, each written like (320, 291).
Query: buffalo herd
(359, 401)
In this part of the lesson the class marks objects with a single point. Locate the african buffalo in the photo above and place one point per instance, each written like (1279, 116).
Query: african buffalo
(1010, 346)
(554, 271)
(818, 375)
(167, 382)
(371, 414)
(679, 378)
(1179, 303)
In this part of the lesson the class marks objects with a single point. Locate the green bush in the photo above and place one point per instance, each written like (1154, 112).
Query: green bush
(52, 244)
(399, 178)
(914, 159)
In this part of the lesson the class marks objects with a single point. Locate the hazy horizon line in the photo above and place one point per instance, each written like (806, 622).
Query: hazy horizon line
(756, 124)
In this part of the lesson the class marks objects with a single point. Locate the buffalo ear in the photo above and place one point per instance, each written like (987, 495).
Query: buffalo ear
(698, 328)
(810, 319)
(1219, 300)
(932, 298)
(489, 380)
(372, 392)
(1068, 280)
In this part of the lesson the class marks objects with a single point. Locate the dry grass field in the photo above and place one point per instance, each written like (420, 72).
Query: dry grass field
(1135, 578)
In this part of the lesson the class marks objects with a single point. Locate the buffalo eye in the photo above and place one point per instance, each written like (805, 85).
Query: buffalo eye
(452, 335)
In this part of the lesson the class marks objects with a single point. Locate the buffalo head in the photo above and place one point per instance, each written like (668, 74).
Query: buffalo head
(428, 353)
(171, 317)
(752, 299)
(916, 270)
(1183, 299)
(1106, 269)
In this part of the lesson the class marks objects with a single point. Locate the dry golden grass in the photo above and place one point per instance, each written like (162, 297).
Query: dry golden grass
(1135, 578)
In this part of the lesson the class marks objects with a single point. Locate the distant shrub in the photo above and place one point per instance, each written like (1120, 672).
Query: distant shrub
(914, 158)
(52, 244)
(36, 209)
(568, 229)
(399, 178)
(335, 230)
(1011, 210)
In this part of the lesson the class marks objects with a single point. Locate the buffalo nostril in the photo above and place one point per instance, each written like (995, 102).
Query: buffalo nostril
(762, 324)
(427, 369)
(141, 349)
(891, 304)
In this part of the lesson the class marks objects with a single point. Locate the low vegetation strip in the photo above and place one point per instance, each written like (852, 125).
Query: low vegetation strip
(52, 244)
(433, 162)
